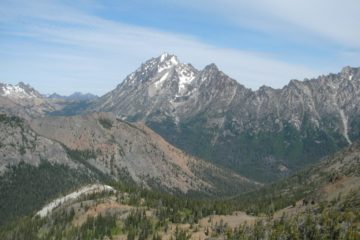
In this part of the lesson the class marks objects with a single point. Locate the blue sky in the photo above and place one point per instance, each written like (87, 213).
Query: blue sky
(91, 46)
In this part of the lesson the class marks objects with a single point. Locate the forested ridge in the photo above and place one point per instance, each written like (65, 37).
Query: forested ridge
(319, 202)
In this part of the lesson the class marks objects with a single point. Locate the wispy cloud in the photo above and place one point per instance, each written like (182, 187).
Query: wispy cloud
(326, 20)
(60, 47)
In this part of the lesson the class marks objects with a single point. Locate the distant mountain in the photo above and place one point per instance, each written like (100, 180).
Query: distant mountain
(76, 96)
(20, 91)
(24, 101)
(263, 134)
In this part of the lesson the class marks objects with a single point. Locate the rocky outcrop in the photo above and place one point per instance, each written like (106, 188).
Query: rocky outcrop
(116, 147)
(18, 143)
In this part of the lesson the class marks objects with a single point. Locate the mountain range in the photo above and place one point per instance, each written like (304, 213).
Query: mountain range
(76, 96)
(263, 134)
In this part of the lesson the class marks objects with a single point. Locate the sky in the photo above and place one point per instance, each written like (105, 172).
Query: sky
(91, 46)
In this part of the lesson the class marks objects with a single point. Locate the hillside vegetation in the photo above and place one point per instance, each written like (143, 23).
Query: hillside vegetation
(328, 208)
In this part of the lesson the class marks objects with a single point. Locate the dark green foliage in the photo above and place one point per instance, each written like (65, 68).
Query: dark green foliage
(25, 188)
(138, 224)
(22, 150)
(302, 185)
(256, 155)
(176, 208)
(81, 155)
(43, 229)
(224, 185)
(106, 123)
(23, 229)
(27, 141)
(281, 194)
(337, 219)
(354, 125)
(11, 120)
(97, 228)
(190, 136)
(123, 176)
(329, 224)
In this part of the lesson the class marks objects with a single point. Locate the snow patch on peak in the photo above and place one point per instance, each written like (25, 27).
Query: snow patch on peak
(130, 78)
(350, 77)
(168, 64)
(174, 60)
(166, 57)
(159, 83)
(186, 77)
(16, 91)
(163, 56)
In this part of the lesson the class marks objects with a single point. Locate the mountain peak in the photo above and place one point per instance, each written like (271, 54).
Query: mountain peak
(23, 85)
(211, 67)
(350, 73)
(166, 57)
(347, 69)
(163, 56)
(20, 90)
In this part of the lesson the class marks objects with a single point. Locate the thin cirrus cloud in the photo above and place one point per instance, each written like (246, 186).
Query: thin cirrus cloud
(332, 20)
(327, 20)
(61, 47)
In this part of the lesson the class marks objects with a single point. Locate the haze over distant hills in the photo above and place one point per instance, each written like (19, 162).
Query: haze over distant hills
(76, 96)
